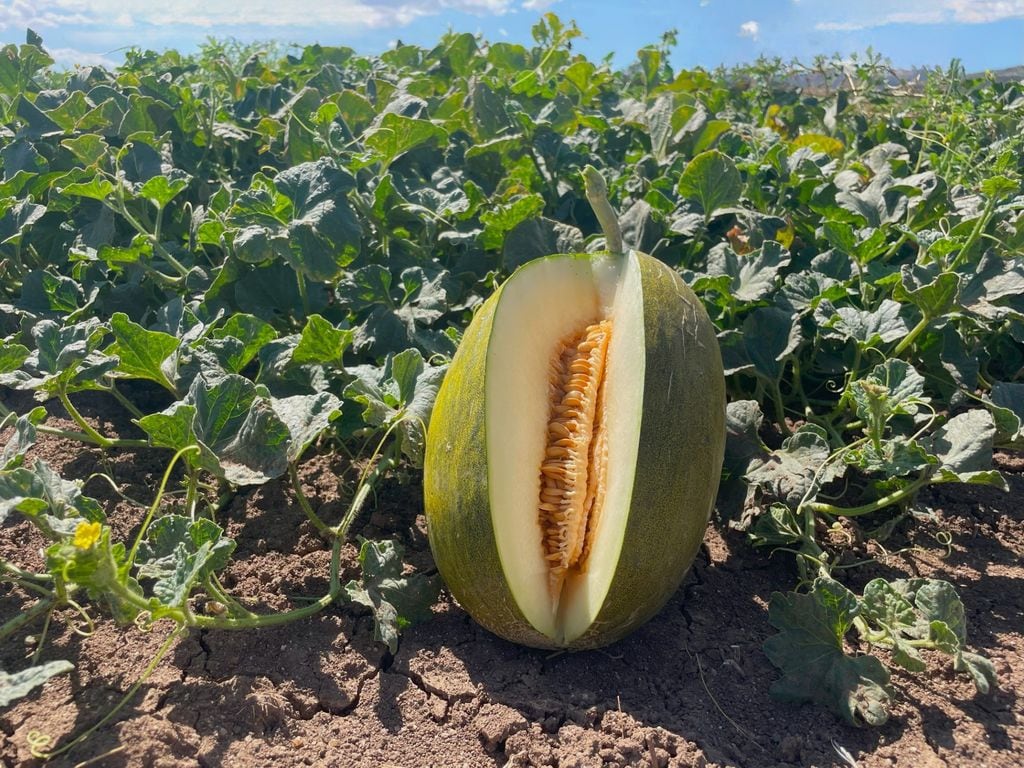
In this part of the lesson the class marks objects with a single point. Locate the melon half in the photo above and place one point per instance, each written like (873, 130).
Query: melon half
(575, 449)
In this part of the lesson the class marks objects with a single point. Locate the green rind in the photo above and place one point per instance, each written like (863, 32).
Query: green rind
(682, 444)
(455, 486)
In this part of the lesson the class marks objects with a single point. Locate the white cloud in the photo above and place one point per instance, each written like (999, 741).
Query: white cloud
(876, 13)
(19, 14)
(538, 5)
(344, 14)
(984, 11)
(750, 29)
(72, 57)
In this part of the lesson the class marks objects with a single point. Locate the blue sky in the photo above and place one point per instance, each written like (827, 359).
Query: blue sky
(984, 34)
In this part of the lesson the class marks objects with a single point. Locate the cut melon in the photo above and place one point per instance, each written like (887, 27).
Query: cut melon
(575, 449)
(656, 437)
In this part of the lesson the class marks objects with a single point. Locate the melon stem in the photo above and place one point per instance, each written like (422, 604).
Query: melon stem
(597, 195)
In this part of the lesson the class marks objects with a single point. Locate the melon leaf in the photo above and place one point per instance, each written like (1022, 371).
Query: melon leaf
(397, 601)
(809, 651)
(15, 685)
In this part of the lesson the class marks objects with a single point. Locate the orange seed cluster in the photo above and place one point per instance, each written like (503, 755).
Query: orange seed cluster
(573, 471)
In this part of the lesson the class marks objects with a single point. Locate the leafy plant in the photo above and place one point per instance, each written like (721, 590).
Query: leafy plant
(260, 253)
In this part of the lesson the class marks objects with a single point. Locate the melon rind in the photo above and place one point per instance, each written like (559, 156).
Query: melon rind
(455, 491)
(681, 445)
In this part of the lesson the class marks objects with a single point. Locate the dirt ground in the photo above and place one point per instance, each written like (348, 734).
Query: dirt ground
(688, 689)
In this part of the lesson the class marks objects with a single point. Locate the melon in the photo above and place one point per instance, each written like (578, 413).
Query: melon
(575, 446)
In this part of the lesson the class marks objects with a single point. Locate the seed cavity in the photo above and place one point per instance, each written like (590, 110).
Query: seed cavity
(572, 474)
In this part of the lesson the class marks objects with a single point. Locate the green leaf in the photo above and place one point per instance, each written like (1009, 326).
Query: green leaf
(56, 506)
(171, 428)
(397, 601)
(12, 356)
(809, 651)
(19, 220)
(868, 328)
(789, 472)
(24, 437)
(401, 393)
(100, 568)
(770, 336)
(97, 188)
(502, 218)
(964, 443)
(754, 275)
(245, 441)
(981, 670)
(251, 332)
(306, 417)
(778, 527)
(88, 148)
(48, 294)
(321, 343)
(1006, 404)
(324, 235)
(711, 179)
(840, 235)
(536, 237)
(141, 353)
(893, 387)
(179, 553)
(929, 613)
(64, 357)
(161, 190)
(998, 187)
(17, 685)
(395, 135)
(893, 458)
(934, 298)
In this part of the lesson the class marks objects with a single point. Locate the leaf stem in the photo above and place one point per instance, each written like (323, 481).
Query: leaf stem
(300, 279)
(92, 435)
(122, 209)
(597, 195)
(217, 592)
(866, 509)
(13, 625)
(276, 619)
(780, 412)
(979, 227)
(909, 339)
(130, 560)
(82, 437)
(128, 404)
(322, 527)
(129, 694)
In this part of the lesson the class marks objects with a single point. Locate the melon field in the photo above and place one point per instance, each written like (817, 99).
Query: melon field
(232, 283)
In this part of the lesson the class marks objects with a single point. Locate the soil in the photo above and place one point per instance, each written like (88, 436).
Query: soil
(688, 689)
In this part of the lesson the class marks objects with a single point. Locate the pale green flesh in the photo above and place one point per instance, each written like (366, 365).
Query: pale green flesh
(548, 301)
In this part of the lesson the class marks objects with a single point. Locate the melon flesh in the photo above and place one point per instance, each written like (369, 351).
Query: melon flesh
(550, 300)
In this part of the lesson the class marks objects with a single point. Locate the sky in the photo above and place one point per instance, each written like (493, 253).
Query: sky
(983, 34)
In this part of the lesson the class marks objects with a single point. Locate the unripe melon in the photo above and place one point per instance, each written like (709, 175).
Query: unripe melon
(574, 450)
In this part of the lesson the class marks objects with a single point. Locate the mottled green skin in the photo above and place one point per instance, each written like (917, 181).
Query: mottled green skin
(455, 488)
(682, 440)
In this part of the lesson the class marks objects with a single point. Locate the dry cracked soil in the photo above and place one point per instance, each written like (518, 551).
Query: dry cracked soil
(688, 689)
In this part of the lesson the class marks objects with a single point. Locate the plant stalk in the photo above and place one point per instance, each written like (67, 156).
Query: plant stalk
(597, 195)
(866, 509)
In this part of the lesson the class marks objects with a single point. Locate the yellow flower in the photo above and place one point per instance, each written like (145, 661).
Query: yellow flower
(86, 534)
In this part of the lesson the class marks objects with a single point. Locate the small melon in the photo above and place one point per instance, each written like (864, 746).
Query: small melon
(575, 447)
